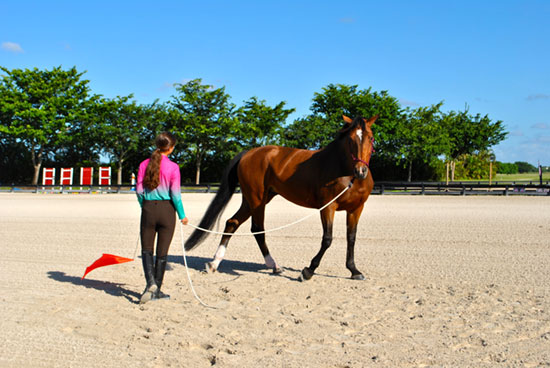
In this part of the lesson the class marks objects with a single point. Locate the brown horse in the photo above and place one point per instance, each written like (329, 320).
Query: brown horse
(306, 178)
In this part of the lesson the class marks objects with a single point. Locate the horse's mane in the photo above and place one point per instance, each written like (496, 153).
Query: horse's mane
(357, 122)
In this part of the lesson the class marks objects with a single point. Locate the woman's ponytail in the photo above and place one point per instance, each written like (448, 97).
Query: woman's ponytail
(164, 142)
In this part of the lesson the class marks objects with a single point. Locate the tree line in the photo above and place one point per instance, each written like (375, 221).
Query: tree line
(51, 118)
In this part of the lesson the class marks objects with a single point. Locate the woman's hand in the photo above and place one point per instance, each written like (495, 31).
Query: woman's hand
(185, 221)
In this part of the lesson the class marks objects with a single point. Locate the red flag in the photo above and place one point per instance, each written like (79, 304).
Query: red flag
(106, 260)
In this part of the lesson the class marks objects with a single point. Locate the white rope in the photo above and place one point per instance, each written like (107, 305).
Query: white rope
(246, 234)
(277, 228)
(187, 270)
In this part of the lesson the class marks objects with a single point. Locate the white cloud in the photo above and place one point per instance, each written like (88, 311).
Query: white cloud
(538, 96)
(542, 126)
(12, 47)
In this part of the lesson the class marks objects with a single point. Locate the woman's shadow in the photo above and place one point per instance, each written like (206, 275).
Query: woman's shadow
(111, 288)
(230, 267)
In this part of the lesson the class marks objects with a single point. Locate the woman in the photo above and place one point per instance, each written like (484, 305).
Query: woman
(159, 195)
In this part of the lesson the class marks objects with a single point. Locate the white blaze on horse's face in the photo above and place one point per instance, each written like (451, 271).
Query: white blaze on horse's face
(360, 134)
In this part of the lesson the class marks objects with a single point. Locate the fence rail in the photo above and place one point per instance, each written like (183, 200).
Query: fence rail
(462, 188)
(381, 188)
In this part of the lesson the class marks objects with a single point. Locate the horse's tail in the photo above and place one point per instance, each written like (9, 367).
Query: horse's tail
(225, 192)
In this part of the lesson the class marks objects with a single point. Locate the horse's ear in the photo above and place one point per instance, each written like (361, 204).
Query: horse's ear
(371, 120)
(347, 119)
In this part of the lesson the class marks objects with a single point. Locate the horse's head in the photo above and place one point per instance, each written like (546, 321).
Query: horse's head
(360, 143)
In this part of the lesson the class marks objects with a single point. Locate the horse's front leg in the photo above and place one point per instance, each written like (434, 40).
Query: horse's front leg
(327, 218)
(352, 220)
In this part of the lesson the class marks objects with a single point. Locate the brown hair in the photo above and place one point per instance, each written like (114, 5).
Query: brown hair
(164, 142)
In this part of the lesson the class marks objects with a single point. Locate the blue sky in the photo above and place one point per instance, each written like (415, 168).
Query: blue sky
(493, 56)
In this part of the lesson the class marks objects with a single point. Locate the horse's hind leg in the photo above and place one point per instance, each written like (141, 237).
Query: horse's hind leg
(230, 227)
(258, 226)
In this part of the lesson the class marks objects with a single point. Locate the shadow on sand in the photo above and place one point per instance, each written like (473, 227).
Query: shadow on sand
(111, 288)
(230, 267)
(227, 266)
(236, 268)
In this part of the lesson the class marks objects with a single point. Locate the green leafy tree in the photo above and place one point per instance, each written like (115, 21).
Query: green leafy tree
(421, 137)
(470, 134)
(205, 120)
(120, 123)
(475, 166)
(157, 118)
(15, 161)
(525, 167)
(507, 168)
(261, 124)
(41, 108)
(320, 127)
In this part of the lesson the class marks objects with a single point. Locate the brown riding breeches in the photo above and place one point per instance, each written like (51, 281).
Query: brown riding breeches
(157, 217)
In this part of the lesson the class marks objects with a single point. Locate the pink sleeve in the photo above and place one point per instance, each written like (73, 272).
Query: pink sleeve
(139, 182)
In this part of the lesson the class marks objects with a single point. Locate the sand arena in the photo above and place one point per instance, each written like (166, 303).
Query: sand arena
(451, 281)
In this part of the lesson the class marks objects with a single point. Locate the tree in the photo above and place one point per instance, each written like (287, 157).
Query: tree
(261, 124)
(507, 168)
(15, 161)
(320, 127)
(157, 118)
(119, 127)
(40, 108)
(525, 167)
(470, 134)
(206, 120)
(421, 137)
(475, 166)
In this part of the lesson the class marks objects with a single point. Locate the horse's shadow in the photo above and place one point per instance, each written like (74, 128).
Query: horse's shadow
(111, 288)
(235, 268)
(228, 266)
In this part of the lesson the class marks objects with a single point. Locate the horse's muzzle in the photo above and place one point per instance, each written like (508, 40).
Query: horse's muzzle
(361, 172)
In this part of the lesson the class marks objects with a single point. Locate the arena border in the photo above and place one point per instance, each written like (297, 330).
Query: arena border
(380, 188)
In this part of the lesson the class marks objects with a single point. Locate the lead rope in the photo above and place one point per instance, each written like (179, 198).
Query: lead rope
(187, 270)
(246, 234)
(277, 228)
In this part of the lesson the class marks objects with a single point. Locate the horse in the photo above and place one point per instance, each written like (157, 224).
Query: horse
(304, 177)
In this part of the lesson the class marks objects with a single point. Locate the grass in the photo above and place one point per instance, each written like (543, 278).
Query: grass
(523, 177)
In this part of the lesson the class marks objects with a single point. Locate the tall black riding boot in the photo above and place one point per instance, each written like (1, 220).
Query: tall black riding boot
(160, 267)
(151, 288)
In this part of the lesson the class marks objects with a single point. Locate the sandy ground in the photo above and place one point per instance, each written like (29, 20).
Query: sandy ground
(451, 281)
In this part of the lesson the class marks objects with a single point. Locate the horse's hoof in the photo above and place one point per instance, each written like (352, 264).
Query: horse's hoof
(306, 274)
(209, 267)
(277, 270)
(358, 277)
